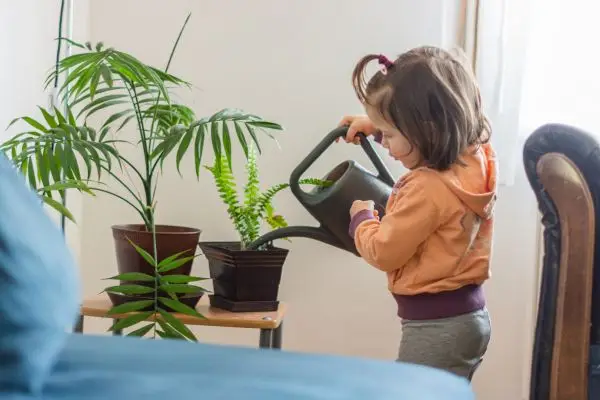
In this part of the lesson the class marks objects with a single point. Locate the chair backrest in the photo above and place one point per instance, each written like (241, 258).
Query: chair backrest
(563, 167)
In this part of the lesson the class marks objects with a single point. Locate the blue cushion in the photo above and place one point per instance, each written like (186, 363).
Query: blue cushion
(105, 367)
(39, 291)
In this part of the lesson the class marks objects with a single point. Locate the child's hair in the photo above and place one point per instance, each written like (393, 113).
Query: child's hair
(432, 98)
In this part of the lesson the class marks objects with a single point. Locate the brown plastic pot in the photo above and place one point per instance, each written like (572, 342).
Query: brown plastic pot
(170, 240)
(244, 280)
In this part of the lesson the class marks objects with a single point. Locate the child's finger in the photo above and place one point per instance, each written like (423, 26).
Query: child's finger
(351, 134)
(345, 121)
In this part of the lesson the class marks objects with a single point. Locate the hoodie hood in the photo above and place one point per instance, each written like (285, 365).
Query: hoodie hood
(475, 183)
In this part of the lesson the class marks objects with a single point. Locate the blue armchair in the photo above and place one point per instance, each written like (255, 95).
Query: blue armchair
(41, 359)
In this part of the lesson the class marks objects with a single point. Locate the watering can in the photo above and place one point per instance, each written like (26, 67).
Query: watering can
(330, 205)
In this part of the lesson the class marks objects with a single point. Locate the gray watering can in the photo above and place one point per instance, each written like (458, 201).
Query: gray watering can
(330, 205)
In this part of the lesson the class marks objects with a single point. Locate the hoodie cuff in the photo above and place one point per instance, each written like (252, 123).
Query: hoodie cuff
(358, 219)
(378, 136)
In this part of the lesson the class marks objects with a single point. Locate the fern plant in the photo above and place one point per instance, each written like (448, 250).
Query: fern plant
(257, 206)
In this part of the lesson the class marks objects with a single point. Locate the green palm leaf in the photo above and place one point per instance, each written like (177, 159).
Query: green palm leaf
(57, 151)
(246, 126)
(59, 207)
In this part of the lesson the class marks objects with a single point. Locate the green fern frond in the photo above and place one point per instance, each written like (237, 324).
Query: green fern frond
(252, 189)
(251, 196)
(225, 183)
(252, 227)
(257, 206)
(265, 198)
(316, 182)
(275, 221)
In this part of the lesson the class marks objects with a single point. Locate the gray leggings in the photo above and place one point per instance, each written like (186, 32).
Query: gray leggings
(455, 344)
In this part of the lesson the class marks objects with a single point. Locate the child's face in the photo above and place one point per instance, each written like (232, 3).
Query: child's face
(398, 146)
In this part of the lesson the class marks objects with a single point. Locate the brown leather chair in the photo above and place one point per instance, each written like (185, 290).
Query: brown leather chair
(563, 167)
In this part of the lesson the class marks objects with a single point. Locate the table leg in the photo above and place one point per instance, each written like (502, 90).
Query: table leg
(79, 324)
(277, 337)
(117, 332)
(266, 339)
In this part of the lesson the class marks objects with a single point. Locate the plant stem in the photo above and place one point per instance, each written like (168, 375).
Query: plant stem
(177, 41)
(115, 177)
(154, 165)
(58, 45)
(173, 49)
(130, 164)
(63, 194)
(147, 181)
(156, 274)
(142, 214)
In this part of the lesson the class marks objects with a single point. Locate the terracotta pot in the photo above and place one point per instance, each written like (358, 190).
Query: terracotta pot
(244, 280)
(169, 240)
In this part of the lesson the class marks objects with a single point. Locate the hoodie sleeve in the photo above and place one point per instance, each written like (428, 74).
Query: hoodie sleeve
(388, 244)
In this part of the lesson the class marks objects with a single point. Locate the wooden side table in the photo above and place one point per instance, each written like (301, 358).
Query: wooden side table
(270, 323)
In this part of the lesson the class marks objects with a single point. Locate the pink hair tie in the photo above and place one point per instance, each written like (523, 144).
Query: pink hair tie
(386, 62)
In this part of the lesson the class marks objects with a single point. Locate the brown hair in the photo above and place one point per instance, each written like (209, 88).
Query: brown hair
(432, 97)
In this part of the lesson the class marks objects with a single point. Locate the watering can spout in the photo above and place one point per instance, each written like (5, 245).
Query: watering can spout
(309, 232)
(330, 205)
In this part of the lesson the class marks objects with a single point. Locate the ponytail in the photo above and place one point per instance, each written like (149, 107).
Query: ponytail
(358, 75)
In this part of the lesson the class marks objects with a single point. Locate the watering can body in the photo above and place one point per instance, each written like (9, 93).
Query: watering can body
(330, 205)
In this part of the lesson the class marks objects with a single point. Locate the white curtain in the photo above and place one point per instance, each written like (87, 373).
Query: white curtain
(537, 61)
(562, 81)
(496, 35)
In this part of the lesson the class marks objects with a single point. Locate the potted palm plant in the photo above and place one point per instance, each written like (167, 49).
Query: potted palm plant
(247, 279)
(109, 93)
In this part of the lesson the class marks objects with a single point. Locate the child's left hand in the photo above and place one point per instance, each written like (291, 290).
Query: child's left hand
(360, 205)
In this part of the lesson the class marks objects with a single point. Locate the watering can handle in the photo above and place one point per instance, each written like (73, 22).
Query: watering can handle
(383, 173)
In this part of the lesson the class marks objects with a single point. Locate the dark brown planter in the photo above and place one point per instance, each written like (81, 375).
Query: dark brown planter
(244, 280)
(170, 240)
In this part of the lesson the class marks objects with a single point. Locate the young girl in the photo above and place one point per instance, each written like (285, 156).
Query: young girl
(434, 241)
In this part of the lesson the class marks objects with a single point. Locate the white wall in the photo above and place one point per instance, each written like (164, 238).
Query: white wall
(291, 61)
(27, 47)
(28, 29)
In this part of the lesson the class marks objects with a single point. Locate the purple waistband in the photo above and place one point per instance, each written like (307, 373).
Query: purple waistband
(467, 299)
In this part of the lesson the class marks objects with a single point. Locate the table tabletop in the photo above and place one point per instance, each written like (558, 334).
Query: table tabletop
(98, 306)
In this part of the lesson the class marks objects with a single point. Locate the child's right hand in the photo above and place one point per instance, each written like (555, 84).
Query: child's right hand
(357, 124)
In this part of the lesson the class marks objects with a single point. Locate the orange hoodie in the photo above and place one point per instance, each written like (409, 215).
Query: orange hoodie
(435, 239)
